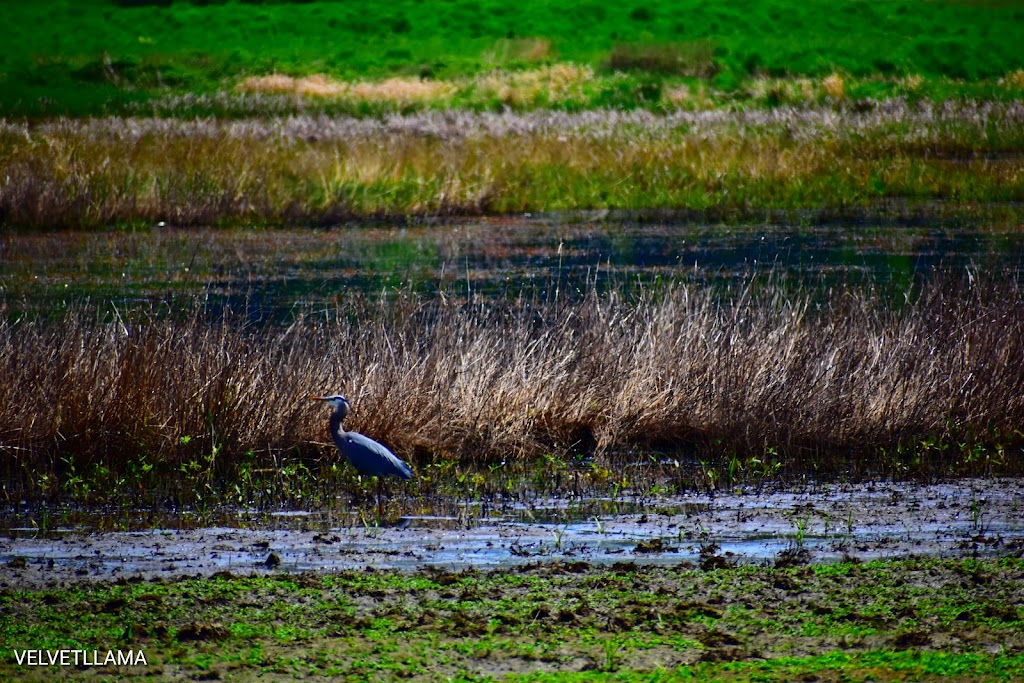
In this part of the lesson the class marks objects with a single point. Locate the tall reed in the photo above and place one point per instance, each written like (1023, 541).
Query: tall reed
(838, 384)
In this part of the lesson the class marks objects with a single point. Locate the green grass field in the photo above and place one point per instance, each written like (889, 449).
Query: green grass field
(96, 56)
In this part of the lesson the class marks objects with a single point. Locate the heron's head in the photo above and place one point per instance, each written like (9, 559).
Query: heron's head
(336, 401)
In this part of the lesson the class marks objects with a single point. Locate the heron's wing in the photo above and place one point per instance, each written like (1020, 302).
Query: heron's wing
(373, 458)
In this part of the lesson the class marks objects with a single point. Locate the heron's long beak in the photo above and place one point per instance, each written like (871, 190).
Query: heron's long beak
(317, 398)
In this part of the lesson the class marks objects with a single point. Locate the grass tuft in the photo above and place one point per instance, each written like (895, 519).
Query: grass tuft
(396, 91)
(835, 86)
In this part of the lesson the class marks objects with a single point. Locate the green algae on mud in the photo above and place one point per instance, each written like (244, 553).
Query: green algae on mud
(933, 619)
(879, 665)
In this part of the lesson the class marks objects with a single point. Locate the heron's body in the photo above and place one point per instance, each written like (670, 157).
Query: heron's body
(369, 457)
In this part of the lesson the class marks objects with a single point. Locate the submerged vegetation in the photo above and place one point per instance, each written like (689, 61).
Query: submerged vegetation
(755, 382)
(882, 621)
(960, 159)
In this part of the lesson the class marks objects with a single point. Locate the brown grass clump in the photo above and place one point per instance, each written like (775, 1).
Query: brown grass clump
(319, 85)
(399, 91)
(1014, 79)
(845, 385)
(800, 91)
(316, 85)
(270, 83)
(691, 98)
(834, 86)
(910, 82)
(402, 91)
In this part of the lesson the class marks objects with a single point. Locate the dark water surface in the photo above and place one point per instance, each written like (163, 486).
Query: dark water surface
(275, 274)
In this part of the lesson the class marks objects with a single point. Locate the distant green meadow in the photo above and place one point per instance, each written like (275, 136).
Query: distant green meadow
(88, 57)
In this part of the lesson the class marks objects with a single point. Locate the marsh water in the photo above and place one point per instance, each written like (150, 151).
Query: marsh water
(273, 276)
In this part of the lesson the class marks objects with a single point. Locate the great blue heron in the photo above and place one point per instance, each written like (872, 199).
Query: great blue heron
(366, 455)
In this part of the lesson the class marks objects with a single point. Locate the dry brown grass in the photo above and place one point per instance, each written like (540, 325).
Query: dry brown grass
(834, 86)
(1014, 80)
(402, 91)
(398, 91)
(845, 386)
(270, 83)
(540, 86)
(692, 98)
(780, 90)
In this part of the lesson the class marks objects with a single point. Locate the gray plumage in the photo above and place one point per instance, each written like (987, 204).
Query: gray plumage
(366, 455)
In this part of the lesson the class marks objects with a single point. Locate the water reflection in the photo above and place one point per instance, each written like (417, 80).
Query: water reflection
(275, 275)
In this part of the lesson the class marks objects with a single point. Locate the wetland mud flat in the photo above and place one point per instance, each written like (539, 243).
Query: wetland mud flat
(822, 523)
(876, 581)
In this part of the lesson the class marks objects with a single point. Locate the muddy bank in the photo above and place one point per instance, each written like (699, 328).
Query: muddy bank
(820, 523)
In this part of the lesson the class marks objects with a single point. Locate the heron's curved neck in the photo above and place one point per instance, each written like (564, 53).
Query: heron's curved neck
(335, 423)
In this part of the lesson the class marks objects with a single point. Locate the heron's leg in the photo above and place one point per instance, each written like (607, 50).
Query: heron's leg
(360, 492)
